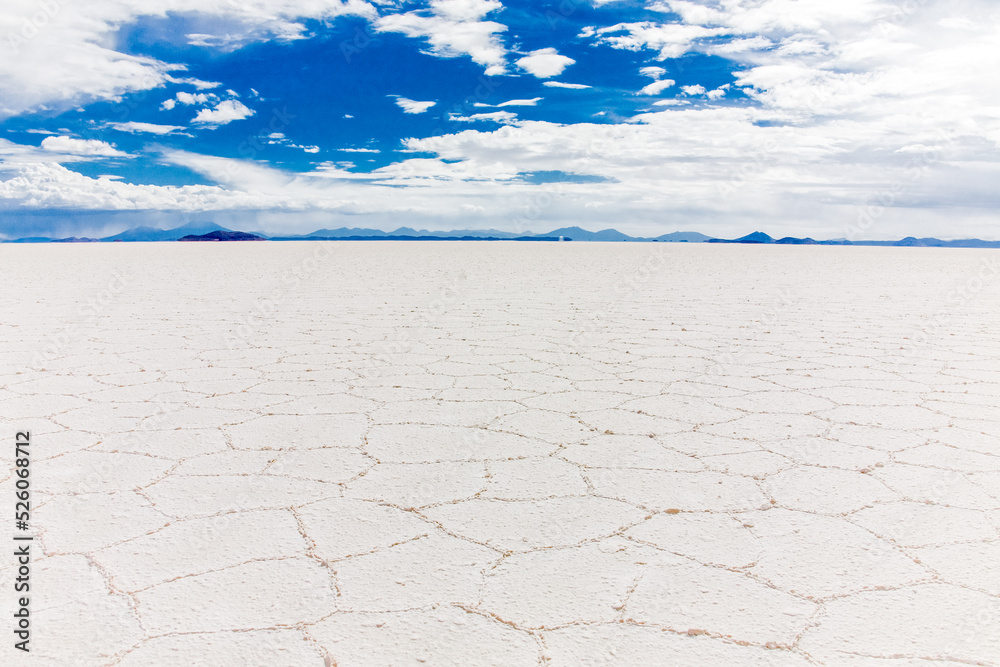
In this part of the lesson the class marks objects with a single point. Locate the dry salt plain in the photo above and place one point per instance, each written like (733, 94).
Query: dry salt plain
(505, 454)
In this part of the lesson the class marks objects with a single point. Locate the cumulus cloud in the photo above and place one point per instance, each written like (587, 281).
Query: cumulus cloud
(544, 63)
(62, 188)
(224, 112)
(454, 28)
(189, 99)
(718, 93)
(413, 106)
(84, 147)
(696, 89)
(560, 84)
(671, 40)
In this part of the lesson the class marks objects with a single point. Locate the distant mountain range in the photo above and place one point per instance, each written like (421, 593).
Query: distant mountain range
(208, 231)
(146, 234)
(909, 241)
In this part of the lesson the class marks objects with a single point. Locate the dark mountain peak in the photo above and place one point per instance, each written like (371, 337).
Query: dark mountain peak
(222, 235)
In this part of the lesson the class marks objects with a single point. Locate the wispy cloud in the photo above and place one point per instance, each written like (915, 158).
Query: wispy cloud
(657, 87)
(502, 117)
(85, 147)
(413, 106)
(513, 103)
(135, 127)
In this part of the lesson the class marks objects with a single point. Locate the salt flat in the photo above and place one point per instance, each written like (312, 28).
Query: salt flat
(505, 453)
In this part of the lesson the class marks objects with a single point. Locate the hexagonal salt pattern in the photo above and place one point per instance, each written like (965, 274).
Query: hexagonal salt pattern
(506, 454)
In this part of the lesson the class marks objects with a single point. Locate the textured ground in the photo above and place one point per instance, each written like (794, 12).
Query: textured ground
(505, 454)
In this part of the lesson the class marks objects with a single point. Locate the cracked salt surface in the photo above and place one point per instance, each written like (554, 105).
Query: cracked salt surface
(448, 454)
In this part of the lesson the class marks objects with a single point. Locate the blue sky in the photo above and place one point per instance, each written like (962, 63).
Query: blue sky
(860, 119)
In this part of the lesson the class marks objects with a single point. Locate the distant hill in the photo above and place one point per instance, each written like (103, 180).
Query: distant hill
(791, 240)
(682, 237)
(222, 235)
(912, 242)
(491, 233)
(402, 232)
(580, 234)
(575, 233)
(335, 233)
(75, 239)
(408, 237)
(755, 237)
(149, 234)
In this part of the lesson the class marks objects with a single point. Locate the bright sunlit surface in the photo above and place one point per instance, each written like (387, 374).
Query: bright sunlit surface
(507, 454)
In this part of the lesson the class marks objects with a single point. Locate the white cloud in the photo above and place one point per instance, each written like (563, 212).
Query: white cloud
(359, 150)
(413, 106)
(197, 83)
(653, 72)
(544, 63)
(150, 128)
(61, 53)
(59, 187)
(189, 99)
(672, 40)
(718, 93)
(521, 103)
(168, 104)
(696, 89)
(224, 112)
(455, 28)
(84, 147)
(656, 87)
(311, 149)
(559, 84)
(502, 117)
